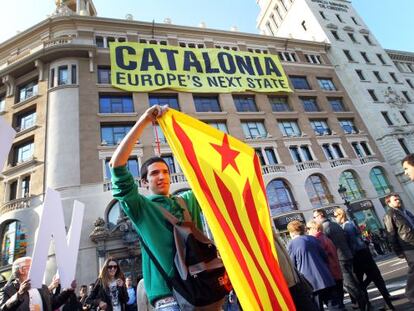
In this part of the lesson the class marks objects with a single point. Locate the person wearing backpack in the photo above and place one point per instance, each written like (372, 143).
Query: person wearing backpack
(145, 212)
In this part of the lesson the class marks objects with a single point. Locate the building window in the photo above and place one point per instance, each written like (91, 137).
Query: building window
(408, 82)
(394, 77)
(259, 154)
(348, 126)
(52, 77)
(313, 59)
(368, 39)
(269, 28)
(326, 84)
(113, 134)
(289, 128)
(131, 165)
(317, 191)
(300, 154)
(299, 83)
(339, 18)
(322, 15)
(63, 75)
(360, 74)
(13, 242)
(378, 76)
(170, 162)
(13, 190)
(405, 117)
(328, 152)
(277, 9)
(280, 197)
(104, 75)
(357, 149)
(407, 97)
(221, 126)
(169, 100)
(279, 103)
(115, 104)
(271, 156)
(254, 129)
(288, 56)
(348, 55)
(351, 183)
(386, 117)
(25, 187)
(272, 17)
(337, 151)
(380, 181)
(99, 41)
(309, 104)
(366, 148)
(333, 151)
(403, 145)
(365, 57)
(381, 59)
(320, 127)
(25, 120)
(245, 103)
(159, 136)
(354, 20)
(73, 74)
(335, 35)
(27, 90)
(373, 95)
(337, 104)
(352, 37)
(23, 152)
(206, 104)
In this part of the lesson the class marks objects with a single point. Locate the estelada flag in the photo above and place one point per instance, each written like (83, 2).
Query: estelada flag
(225, 176)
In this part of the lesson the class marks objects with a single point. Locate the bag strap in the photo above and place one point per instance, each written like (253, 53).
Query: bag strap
(170, 217)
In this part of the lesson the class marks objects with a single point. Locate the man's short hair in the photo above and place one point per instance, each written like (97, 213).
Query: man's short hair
(409, 159)
(387, 198)
(16, 265)
(144, 166)
(296, 226)
(315, 225)
(320, 211)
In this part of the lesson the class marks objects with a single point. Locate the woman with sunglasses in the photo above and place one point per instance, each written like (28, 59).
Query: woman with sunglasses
(109, 292)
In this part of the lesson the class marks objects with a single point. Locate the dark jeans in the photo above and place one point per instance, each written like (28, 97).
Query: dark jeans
(365, 264)
(352, 286)
(409, 289)
(303, 302)
(328, 296)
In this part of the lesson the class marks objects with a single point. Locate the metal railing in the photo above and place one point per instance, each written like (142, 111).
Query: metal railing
(15, 205)
(274, 168)
(307, 165)
(340, 162)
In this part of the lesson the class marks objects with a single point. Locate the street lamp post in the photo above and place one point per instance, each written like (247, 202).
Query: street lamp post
(342, 193)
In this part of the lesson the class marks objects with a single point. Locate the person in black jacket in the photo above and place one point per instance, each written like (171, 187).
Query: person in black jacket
(17, 295)
(109, 292)
(399, 224)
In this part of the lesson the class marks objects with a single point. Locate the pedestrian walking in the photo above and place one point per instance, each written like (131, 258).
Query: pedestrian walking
(311, 260)
(132, 297)
(109, 292)
(333, 231)
(364, 264)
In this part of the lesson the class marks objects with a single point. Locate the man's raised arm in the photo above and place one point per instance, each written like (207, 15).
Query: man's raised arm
(122, 153)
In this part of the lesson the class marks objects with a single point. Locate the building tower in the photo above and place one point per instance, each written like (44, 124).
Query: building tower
(381, 94)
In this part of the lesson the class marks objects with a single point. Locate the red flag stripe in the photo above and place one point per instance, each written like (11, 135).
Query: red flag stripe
(190, 155)
(232, 210)
(267, 250)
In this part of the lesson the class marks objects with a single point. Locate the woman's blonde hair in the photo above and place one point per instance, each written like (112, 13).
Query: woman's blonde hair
(315, 225)
(341, 213)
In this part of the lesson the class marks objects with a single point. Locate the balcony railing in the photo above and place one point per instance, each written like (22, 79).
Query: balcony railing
(57, 41)
(15, 205)
(368, 159)
(274, 168)
(340, 162)
(307, 165)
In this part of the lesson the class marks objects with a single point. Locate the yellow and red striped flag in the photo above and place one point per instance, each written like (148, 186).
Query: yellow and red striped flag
(225, 175)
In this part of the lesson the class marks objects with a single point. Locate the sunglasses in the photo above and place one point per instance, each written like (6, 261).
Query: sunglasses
(112, 267)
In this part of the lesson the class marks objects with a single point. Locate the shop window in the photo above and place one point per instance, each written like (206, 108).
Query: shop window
(349, 180)
(13, 242)
(280, 197)
(317, 191)
(380, 181)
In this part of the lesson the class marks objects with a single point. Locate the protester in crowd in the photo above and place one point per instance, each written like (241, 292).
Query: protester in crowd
(132, 297)
(301, 293)
(109, 292)
(399, 223)
(142, 298)
(337, 235)
(142, 210)
(364, 264)
(83, 294)
(72, 304)
(310, 259)
(408, 166)
(17, 294)
(315, 229)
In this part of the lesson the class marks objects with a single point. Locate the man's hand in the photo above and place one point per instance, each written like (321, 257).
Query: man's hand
(54, 284)
(154, 112)
(24, 287)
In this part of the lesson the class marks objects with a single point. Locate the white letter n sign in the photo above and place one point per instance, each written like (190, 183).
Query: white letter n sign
(52, 224)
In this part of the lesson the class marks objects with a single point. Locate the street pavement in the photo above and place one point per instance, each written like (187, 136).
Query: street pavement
(394, 271)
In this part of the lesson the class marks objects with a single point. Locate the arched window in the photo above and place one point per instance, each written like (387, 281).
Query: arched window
(380, 181)
(351, 183)
(13, 242)
(318, 191)
(113, 214)
(280, 197)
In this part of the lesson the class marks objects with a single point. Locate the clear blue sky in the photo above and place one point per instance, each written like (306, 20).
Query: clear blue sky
(391, 21)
